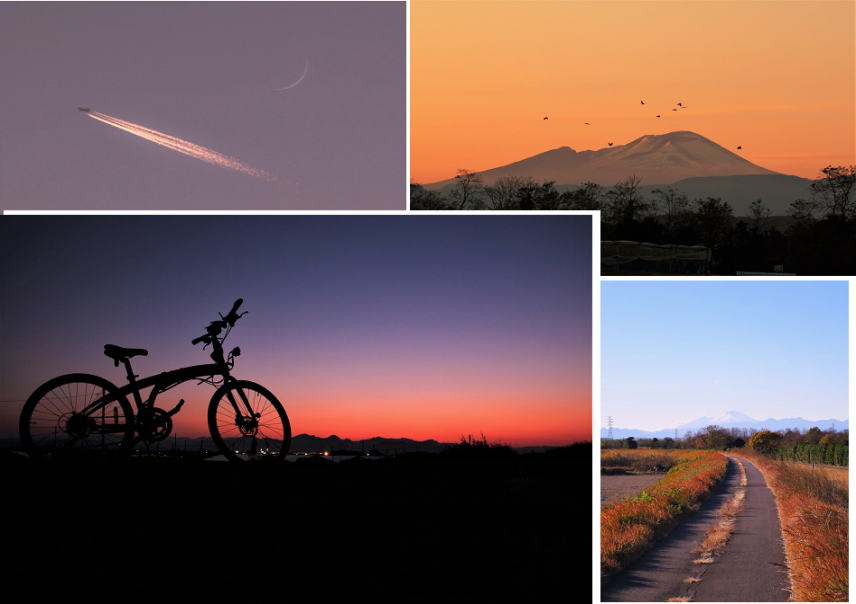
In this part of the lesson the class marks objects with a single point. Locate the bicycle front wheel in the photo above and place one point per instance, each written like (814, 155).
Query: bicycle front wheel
(248, 423)
(74, 413)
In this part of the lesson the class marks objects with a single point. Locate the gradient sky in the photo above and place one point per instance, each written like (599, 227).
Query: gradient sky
(205, 72)
(394, 326)
(676, 351)
(776, 77)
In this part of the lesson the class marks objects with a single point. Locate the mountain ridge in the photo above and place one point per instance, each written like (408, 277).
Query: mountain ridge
(730, 419)
(655, 158)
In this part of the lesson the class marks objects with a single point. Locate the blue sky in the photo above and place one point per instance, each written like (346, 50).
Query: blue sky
(676, 351)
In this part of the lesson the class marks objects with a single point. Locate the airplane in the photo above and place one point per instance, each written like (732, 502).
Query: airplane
(84, 109)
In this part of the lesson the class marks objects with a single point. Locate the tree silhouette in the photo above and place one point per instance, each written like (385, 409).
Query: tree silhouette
(423, 199)
(834, 190)
(465, 190)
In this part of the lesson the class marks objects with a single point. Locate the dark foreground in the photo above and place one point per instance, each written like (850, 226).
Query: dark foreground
(413, 528)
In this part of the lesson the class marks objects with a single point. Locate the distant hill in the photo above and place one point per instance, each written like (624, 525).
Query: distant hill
(310, 444)
(731, 419)
(777, 191)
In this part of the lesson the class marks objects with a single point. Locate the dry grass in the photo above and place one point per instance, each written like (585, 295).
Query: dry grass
(718, 535)
(813, 512)
(640, 460)
(629, 527)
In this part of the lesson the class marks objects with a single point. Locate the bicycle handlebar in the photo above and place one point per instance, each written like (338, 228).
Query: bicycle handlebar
(233, 315)
(215, 327)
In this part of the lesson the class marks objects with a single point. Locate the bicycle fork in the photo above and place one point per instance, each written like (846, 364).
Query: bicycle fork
(247, 423)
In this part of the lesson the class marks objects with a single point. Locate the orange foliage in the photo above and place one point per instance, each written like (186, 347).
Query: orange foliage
(813, 512)
(630, 526)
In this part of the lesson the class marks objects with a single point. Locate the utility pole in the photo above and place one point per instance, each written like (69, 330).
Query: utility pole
(609, 423)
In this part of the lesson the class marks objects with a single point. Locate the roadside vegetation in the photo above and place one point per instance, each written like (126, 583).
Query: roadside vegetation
(637, 461)
(631, 526)
(813, 513)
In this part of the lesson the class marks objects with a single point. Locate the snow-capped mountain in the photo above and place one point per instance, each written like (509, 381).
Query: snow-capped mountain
(655, 159)
(730, 419)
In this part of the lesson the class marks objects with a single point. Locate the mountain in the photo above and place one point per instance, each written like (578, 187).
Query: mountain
(657, 159)
(314, 444)
(777, 191)
(730, 419)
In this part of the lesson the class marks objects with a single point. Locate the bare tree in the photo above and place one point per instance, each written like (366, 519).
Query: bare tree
(504, 194)
(834, 191)
(625, 202)
(588, 197)
(759, 213)
(674, 204)
(466, 189)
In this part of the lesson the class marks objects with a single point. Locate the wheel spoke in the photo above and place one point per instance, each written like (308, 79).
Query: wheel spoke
(265, 434)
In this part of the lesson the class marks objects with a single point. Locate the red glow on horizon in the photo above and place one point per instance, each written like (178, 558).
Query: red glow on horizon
(556, 422)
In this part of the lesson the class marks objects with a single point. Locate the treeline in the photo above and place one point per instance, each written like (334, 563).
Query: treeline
(812, 446)
(818, 235)
(834, 455)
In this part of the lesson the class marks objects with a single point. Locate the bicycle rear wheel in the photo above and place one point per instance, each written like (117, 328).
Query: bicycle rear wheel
(76, 413)
(261, 435)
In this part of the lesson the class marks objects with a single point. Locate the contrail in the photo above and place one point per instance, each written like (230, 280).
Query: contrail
(177, 144)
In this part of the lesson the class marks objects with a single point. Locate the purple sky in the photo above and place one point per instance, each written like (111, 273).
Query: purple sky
(410, 326)
(205, 72)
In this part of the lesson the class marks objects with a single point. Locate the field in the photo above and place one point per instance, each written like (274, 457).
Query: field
(812, 504)
(416, 527)
(631, 526)
(615, 487)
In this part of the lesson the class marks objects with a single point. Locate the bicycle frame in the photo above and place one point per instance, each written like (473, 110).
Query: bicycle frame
(166, 380)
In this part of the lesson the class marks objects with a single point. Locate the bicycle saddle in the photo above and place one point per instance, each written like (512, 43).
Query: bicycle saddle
(117, 353)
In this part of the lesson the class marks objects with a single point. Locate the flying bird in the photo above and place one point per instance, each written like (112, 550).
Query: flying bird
(587, 124)
(658, 115)
(610, 144)
(84, 109)
(673, 109)
(642, 102)
(680, 105)
(546, 118)
(739, 147)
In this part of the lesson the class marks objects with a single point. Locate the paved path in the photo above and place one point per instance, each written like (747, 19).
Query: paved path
(752, 567)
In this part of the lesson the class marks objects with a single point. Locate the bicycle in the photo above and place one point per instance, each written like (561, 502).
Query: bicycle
(80, 412)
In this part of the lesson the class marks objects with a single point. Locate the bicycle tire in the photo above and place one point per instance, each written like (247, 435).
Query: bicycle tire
(50, 424)
(236, 437)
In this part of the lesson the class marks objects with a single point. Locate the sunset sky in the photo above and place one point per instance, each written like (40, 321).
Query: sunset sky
(775, 77)
(395, 326)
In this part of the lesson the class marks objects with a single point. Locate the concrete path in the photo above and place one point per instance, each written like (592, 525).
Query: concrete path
(750, 569)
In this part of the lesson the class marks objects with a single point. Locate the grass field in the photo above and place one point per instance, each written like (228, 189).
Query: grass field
(639, 460)
(813, 504)
(631, 526)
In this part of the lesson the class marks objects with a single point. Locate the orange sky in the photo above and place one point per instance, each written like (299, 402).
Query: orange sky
(776, 77)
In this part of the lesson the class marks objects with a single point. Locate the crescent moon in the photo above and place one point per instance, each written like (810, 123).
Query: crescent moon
(296, 82)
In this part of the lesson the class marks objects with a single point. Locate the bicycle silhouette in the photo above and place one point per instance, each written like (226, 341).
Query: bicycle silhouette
(82, 412)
